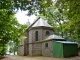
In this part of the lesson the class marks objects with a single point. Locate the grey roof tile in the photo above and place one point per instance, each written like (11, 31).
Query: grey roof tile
(53, 37)
(41, 22)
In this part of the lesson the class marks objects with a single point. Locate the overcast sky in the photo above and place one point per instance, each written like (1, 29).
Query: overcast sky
(23, 18)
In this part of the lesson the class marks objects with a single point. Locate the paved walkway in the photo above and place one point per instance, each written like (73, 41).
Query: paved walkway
(37, 58)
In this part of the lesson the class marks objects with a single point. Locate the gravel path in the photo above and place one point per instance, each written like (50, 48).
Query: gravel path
(16, 57)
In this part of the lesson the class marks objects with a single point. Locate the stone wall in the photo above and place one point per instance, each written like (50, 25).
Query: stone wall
(41, 34)
(21, 50)
(47, 51)
(44, 33)
(32, 37)
(30, 49)
(37, 49)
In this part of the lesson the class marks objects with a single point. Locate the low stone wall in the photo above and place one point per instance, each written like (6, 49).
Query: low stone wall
(21, 50)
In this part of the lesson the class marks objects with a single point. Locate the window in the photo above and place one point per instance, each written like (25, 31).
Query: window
(47, 32)
(36, 35)
(46, 44)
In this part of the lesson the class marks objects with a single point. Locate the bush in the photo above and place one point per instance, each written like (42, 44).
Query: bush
(2, 52)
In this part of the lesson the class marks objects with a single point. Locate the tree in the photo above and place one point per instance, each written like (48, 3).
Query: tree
(55, 18)
(71, 10)
(5, 29)
(15, 41)
(33, 6)
(10, 30)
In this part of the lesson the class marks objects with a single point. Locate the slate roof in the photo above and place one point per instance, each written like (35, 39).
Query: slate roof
(54, 37)
(41, 23)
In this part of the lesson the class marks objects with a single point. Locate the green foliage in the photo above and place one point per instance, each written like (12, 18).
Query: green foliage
(15, 41)
(33, 6)
(2, 50)
(55, 19)
(71, 10)
(10, 30)
(5, 28)
(63, 15)
(13, 46)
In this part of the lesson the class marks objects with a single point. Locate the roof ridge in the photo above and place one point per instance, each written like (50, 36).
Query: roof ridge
(33, 22)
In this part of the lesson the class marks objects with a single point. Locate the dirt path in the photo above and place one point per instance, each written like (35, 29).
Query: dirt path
(37, 58)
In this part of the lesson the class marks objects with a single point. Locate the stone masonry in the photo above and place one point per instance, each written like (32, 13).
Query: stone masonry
(36, 47)
(47, 51)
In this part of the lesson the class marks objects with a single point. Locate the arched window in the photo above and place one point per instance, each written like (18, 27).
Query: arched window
(47, 33)
(36, 35)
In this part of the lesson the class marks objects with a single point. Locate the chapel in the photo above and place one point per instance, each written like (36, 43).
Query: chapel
(41, 41)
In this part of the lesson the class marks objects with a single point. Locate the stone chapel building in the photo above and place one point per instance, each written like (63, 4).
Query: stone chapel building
(39, 39)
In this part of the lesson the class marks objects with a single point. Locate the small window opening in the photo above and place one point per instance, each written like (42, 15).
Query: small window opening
(46, 44)
(47, 33)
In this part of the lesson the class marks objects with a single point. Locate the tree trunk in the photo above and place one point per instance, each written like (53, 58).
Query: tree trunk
(14, 52)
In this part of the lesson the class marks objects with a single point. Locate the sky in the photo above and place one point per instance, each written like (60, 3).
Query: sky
(23, 18)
